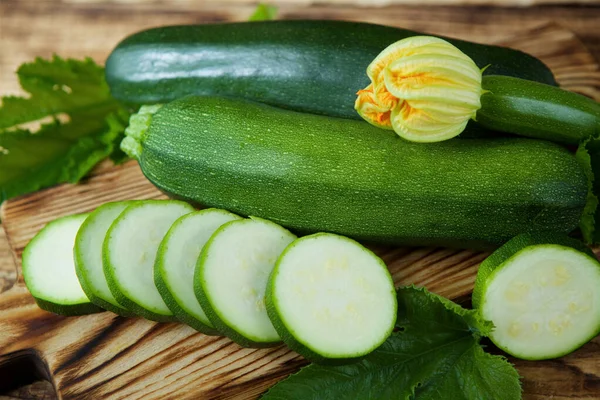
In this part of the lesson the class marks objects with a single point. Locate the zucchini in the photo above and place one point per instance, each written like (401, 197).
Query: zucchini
(231, 277)
(427, 90)
(176, 262)
(49, 269)
(313, 173)
(308, 66)
(331, 299)
(536, 110)
(88, 256)
(129, 251)
(541, 293)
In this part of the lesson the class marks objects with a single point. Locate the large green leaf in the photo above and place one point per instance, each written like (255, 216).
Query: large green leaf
(57, 152)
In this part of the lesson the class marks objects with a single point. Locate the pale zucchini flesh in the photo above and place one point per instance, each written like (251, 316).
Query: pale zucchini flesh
(49, 268)
(176, 261)
(231, 277)
(543, 300)
(129, 252)
(88, 256)
(330, 298)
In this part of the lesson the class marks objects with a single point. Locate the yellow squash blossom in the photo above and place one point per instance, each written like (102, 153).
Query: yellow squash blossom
(423, 88)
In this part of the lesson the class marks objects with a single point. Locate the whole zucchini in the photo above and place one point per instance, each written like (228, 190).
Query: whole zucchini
(313, 173)
(309, 66)
(539, 111)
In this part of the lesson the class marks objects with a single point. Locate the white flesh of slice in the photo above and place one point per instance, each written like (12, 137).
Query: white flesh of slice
(88, 248)
(130, 248)
(235, 270)
(334, 296)
(185, 241)
(544, 301)
(48, 266)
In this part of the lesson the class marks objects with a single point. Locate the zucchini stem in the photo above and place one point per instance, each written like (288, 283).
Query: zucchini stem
(137, 130)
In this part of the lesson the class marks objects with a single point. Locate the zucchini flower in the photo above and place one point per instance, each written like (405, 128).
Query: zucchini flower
(423, 88)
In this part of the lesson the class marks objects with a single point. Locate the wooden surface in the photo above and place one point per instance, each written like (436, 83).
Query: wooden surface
(103, 356)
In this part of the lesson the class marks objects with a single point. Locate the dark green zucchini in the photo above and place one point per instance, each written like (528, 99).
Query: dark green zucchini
(309, 66)
(313, 173)
(535, 110)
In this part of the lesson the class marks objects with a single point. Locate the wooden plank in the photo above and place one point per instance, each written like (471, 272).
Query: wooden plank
(103, 356)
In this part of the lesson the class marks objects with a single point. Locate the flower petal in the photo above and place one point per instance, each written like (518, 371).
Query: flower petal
(371, 110)
(418, 125)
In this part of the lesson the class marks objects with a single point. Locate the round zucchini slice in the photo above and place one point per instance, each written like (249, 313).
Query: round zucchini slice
(541, 293)
(231, 277)
(176, 261)
(49, 269)
(331, 299)
(129, 252)
(88, 256)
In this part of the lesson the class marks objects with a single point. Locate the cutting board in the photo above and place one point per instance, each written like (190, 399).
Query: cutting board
(102, 356)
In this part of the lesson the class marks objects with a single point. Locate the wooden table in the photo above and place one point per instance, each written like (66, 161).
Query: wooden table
(30, 28)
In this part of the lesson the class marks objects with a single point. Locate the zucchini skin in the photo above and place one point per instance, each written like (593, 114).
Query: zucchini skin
(312, 173)
(535, 110)
(308, 66)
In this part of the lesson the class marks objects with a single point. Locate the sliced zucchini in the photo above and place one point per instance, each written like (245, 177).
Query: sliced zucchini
(176, 260)
(49, 269)
(231, 277)
(129, 251)
(88, 256)
(331, 299)
(541, 293)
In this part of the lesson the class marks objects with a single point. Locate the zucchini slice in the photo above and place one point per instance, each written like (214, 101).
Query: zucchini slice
(49, 269)
(231, 277)
(541, 293)
(176, 261)
(129, 251)
(88, 256)
(331, 299)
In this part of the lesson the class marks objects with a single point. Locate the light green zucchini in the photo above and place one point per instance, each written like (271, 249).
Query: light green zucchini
(541, 293)
(88, 256)
(231, 277)
(129, 251)
(49, 269)
(331, 299)
(176, 261)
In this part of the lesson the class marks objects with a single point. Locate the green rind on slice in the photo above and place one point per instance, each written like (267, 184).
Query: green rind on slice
(49, 270)
(513, 246)
(541, 294)
(176, 261)
(330, 299)
(69, 310)
(87, 254)
(129, 251)
(231, 277)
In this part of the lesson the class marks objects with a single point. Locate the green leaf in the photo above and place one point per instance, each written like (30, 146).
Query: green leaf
(264, 12)
(435, 354)
(55, 86)
(58, 151)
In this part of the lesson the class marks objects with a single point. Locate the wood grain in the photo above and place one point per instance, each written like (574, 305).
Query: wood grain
(104, 356)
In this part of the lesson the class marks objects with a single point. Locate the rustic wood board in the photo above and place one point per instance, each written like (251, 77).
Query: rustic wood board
(105, 356)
